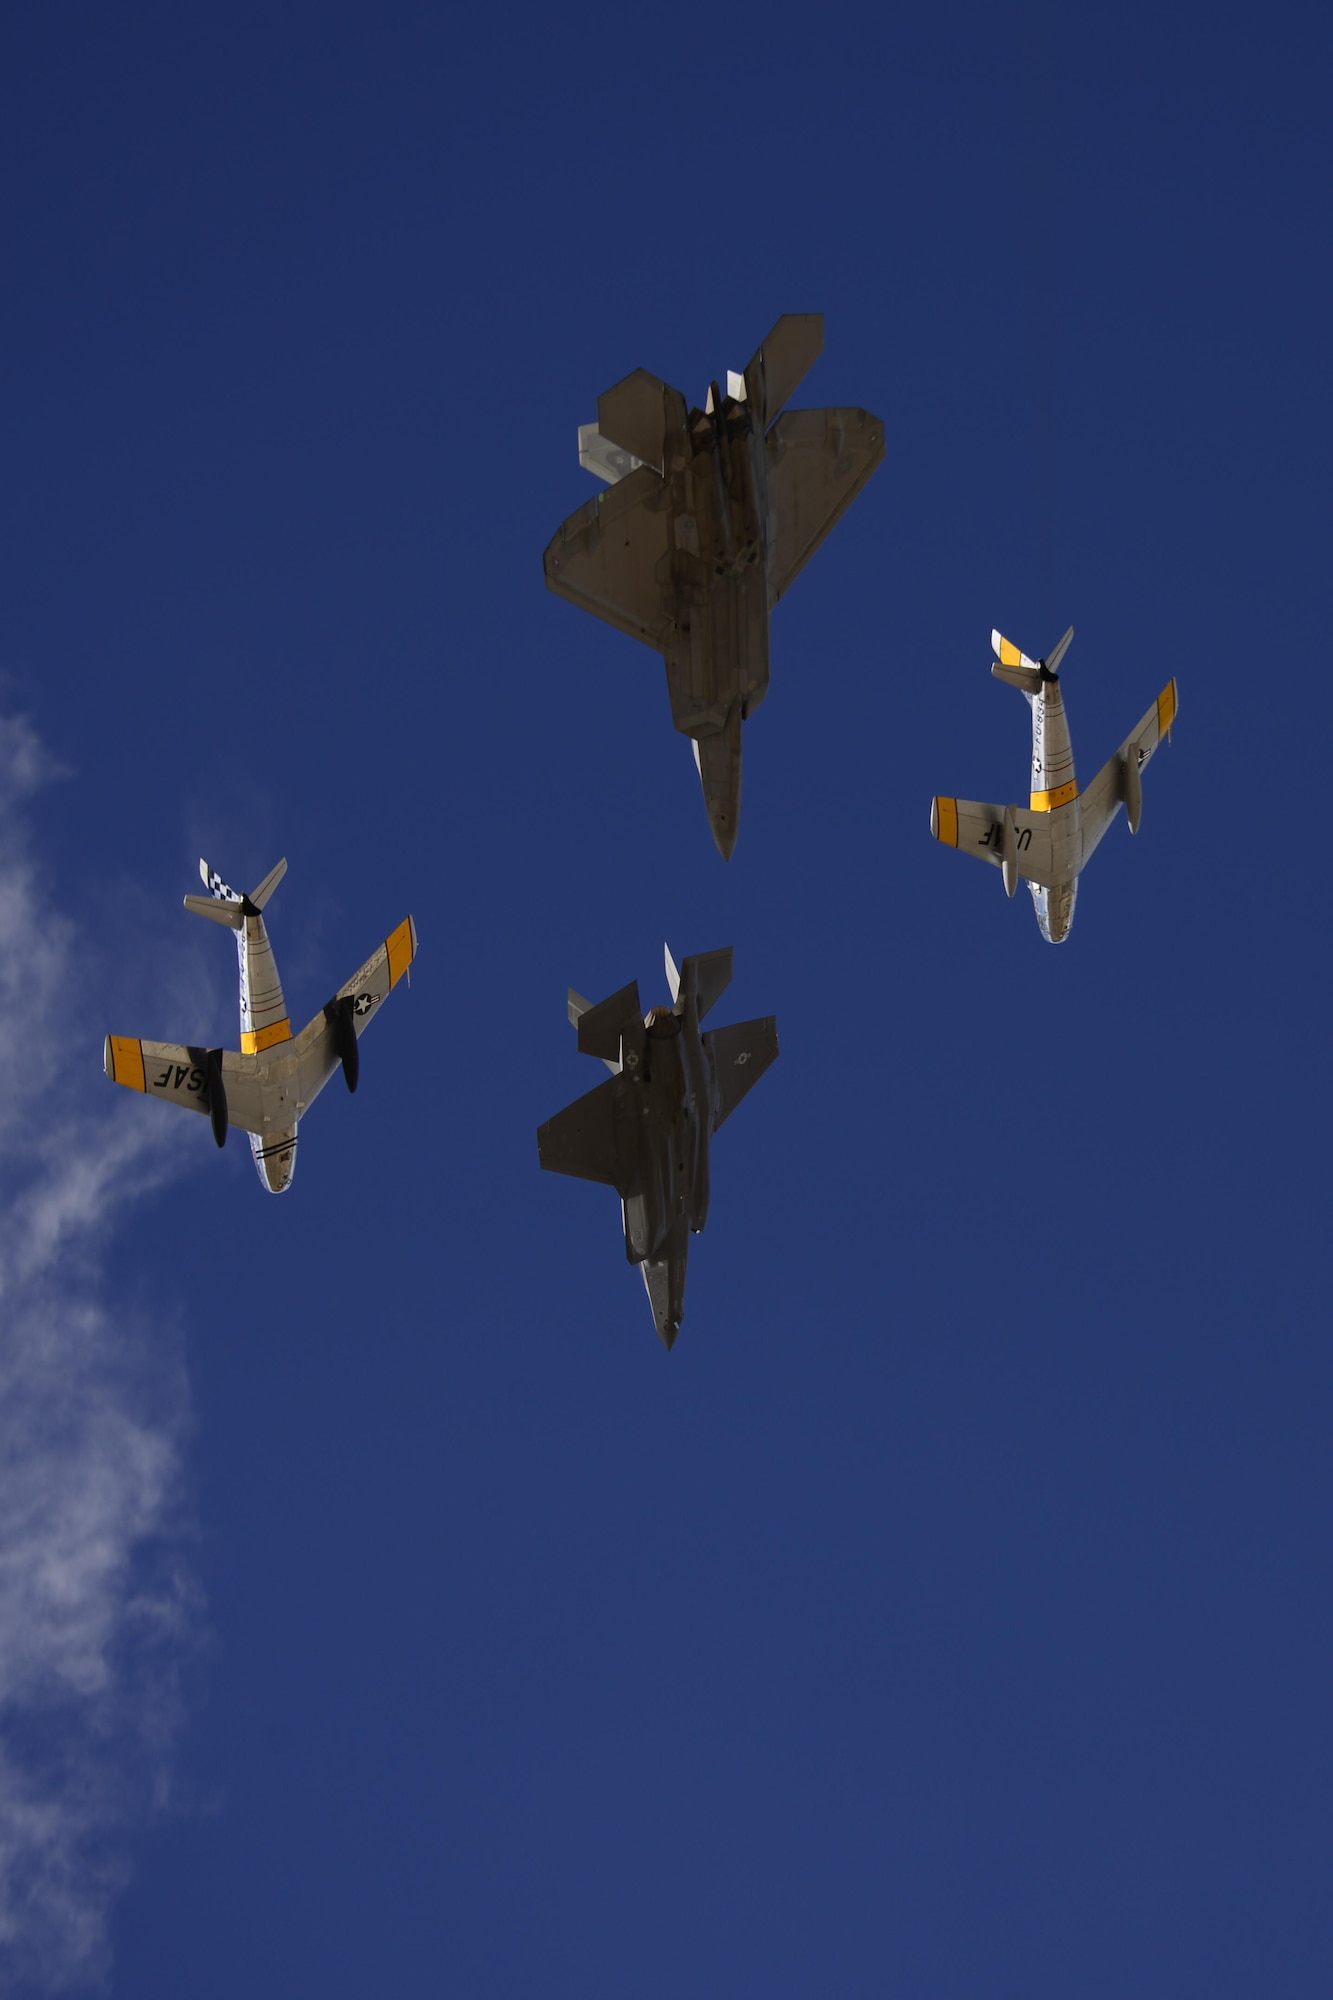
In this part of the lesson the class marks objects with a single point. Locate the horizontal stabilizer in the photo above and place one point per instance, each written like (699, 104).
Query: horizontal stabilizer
(578, 1007)
(270, 882)
(601, 1027)
(1010, 655)
(706, 976)
(632, 414)
(741, 1054)
(231, 914)
(775, 372)
(1058, 651)
(1028, 679)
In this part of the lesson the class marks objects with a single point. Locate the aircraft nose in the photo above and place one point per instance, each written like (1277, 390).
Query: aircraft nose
(724, 832)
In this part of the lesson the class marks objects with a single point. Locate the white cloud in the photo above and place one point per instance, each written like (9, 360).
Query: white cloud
(97, 1603)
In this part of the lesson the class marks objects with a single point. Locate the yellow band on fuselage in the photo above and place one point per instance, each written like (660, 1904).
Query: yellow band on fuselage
(255, 1040)
(1044, 802)
(127, 1061)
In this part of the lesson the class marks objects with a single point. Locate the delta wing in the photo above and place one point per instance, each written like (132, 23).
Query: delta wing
(818, 461)
(612, 557)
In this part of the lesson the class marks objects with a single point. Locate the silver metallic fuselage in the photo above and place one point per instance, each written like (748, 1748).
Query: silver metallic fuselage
(1055, 790)
(265, 1026)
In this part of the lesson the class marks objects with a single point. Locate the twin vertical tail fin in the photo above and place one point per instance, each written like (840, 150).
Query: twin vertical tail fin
(704, 977)
(223, 904)
(1011, 664)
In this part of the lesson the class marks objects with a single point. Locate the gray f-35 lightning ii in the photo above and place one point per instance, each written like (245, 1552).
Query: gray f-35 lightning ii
(276, 1076)
(646, 1132)
(709, 515)
(1052, 841)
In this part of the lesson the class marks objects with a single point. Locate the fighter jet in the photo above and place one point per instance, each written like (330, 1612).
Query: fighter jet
(646, 1132)
(1051, 842)
(276, 1077)
(709, 516)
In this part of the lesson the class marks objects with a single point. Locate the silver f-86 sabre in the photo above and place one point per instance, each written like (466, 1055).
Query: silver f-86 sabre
(646, 1132)
(272, 1081)
(709, 515)
(1051, 840)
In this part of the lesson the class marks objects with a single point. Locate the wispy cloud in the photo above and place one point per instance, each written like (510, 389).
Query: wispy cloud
(97, 1602)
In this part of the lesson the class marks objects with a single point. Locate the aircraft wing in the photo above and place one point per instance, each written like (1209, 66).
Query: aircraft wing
(1102, 800)
(818, 461)
(584, 1138)
(740, 1054)
(179, 1075)
(316, 1047)
(611, 557)
(978, 829)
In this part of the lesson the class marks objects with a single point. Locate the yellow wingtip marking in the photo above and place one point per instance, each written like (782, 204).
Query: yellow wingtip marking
(401, 947)
(944, 821)
(124, 1061)
(1010, 654)
(1166, 708)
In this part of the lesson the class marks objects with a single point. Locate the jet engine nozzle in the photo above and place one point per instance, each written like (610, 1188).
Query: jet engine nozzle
(1132, 786)
(217, 1096)
(1009, 851)
(344, 1040)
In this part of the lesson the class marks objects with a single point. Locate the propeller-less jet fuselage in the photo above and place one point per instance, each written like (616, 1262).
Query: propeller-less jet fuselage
(709, 515)
(268, 1085)
(646, 1131)
(1051, 841)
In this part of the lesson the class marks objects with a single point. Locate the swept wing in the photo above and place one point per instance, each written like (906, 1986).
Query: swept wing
(318, 1049)
(179, 1074)
(978, 829)
(1104, 797)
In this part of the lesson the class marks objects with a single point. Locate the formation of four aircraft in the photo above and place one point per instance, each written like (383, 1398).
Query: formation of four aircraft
(707, 517)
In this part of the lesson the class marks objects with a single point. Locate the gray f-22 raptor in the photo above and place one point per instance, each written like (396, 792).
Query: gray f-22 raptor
(709, 515)
(268, 1085)
(1051, 842)
(646, 1131)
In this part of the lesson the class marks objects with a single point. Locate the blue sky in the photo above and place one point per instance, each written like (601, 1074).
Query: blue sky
(948, 1614)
